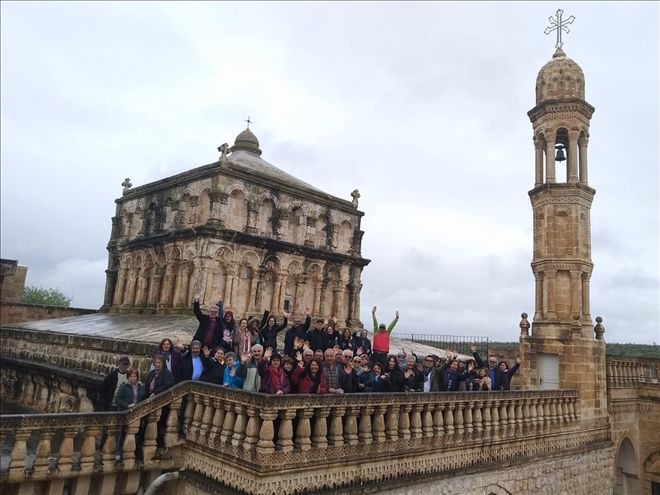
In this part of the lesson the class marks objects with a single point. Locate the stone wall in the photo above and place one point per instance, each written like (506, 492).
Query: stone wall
(261, 242)
(15, 312)
(12, 281)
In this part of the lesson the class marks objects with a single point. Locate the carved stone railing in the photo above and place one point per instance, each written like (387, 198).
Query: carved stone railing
(629, 372)
(246, 441)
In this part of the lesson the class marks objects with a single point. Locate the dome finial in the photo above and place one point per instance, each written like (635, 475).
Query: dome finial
(557, 24)
(247, 141)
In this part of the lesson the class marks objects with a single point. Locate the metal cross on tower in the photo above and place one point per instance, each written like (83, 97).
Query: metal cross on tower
(557, 24)
(248, 121)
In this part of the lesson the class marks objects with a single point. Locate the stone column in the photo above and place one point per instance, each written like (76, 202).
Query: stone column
(142, 285)
(252, 302)
(299, 297)
(538, 163)
(572, 175)
(550, 279)
(550, 161)
(154, 291)
(576, 294)
(276, 303)
(285, 431)
(583, 143)
(119, 289)
(167, 286)
(586, 309)
(538, 299)
(304, 430)
(129, 294)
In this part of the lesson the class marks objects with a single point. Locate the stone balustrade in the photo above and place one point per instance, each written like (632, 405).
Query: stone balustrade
(265, 434)
(628, 372)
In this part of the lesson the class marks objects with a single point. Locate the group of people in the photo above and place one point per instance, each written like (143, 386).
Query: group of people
(316, 359)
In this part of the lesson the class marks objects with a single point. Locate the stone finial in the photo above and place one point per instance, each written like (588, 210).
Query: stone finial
(599, 329)
(224, 151)
(524, 325)
(127, 185)
(356, 196)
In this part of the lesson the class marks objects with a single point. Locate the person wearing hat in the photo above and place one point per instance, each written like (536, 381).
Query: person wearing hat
(112, 382)
(381, 343)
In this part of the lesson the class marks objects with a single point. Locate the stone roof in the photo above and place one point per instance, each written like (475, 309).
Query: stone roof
(153, 328)
(561, 78)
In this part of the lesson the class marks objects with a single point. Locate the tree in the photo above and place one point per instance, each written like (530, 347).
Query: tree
(50, 297)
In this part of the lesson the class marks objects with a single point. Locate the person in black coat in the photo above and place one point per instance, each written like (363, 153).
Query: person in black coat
(299, 329)
(270, 330)
(507, 373)
(209, 332)
(214, 366)
(494, 371)
(392, 376)
(317, 337)
(111, 384)
(158, 380)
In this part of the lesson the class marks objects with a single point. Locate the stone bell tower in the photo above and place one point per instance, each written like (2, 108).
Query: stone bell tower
(563, 351)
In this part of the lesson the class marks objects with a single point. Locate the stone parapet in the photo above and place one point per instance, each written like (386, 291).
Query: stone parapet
(15, 312)
(256, 443)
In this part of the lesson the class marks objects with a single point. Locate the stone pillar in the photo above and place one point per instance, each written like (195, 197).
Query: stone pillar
(538, 299)
(538, 163)
(129, 294)
(550, 176)
(167, 286)
(154, 289)
(142, 285)
(576, 294)
(586, 309)
(299, 297)
(583, 143)
(252, 302)
(572, 158)
(550, 279)
(119, 289)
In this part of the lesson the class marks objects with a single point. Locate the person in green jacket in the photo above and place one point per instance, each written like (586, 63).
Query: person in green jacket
(381, 342)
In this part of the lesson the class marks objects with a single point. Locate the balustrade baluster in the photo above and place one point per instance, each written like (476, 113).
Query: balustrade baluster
(427, 420)
(303, 439)
(477, 419)
(449, 419)
(518, 413)
(458, 418)
(540, 411)
(547, 413)
(252, 428)
(110, 446)
(350, 426)
(285, 432)
(336, 433)
(564, 410)
(392, 423)
(320, 430)
(228, 425)
(511, 413)
(439, 420)
(150, 435)
(218, 420)
(526, 413)
(504, 417)
(416, 421)
(172, 426)
(188, 414)
(467, 417)
(533, 419)
(378, 423)
(19, 455)
(266, 432)
(488, 421)
(129, 445)
(207, 421)
(572, 411)
(241, 424)
(197, 417)
(364, 427)
(495, 416)
(88, 448)
(65, 454)
(404, 421)
(43, 452)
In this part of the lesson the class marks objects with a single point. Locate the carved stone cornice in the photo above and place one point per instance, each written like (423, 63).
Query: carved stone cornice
(559, 109)
(562, 193)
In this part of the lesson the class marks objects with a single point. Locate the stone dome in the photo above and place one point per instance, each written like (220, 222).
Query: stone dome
(561, 78)
(247, 141)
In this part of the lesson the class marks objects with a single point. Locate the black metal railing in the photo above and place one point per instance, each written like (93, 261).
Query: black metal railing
(457, 343)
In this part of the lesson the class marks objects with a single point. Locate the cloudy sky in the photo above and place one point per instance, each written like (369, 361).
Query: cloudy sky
(421, 106)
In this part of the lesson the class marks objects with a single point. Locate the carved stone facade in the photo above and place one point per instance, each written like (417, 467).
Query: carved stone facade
(563, 350)
(239, 227)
